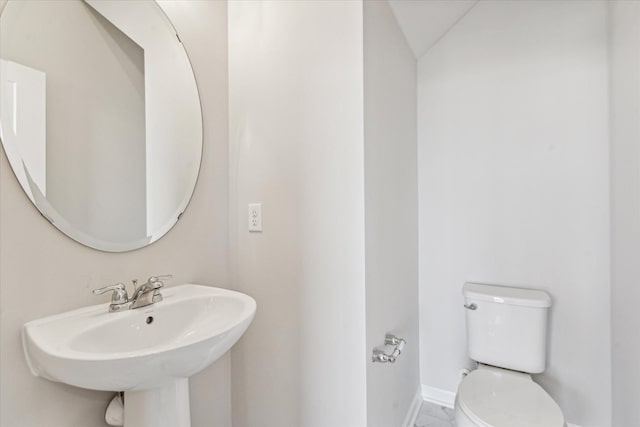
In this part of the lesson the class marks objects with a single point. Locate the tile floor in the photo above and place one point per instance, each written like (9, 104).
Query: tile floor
(432, 415)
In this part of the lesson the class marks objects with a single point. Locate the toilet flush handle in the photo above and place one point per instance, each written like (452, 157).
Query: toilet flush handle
(471, 306)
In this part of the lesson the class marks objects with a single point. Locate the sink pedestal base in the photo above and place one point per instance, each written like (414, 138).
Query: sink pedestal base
(167, 406)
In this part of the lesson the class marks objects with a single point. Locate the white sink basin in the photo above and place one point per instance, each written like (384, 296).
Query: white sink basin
(153, 349)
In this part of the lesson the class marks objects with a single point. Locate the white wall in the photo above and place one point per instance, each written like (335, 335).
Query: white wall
(424, 22)
(43, 272)
(514, 186)
(625, 209)
(391, 213)
(296, 146)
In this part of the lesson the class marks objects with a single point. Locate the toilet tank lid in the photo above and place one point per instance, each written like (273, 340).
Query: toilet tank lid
(506, 295)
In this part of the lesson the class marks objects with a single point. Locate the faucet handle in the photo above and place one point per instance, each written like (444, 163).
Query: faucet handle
(158, 280)
(119, 293)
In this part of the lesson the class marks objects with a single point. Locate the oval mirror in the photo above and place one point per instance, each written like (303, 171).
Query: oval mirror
(99, 117)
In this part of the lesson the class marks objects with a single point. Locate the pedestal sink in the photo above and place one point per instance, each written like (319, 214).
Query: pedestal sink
(148, 353)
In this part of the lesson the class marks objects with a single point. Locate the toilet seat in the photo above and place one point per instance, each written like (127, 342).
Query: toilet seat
(494, 397)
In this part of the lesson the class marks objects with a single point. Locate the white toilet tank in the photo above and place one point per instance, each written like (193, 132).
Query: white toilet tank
(507, 327)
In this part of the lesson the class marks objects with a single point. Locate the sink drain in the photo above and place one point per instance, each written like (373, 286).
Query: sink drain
(149, 320)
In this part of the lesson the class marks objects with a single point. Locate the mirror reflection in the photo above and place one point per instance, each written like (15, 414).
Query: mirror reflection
(99, 117)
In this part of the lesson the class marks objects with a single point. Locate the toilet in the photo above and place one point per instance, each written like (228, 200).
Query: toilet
(507, 336)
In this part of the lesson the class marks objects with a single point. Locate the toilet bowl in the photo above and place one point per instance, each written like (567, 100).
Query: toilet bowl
(507, 336)
(495, 397)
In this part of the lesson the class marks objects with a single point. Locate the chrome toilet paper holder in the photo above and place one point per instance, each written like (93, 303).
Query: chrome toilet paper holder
(381, 356)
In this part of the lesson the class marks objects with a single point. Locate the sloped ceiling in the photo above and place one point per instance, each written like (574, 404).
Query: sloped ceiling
(424, 22)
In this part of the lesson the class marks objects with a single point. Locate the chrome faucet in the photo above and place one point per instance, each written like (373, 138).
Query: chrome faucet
(147, 294)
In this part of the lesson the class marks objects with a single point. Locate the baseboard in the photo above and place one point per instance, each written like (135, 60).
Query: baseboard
(414, 409)
(438, 396)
